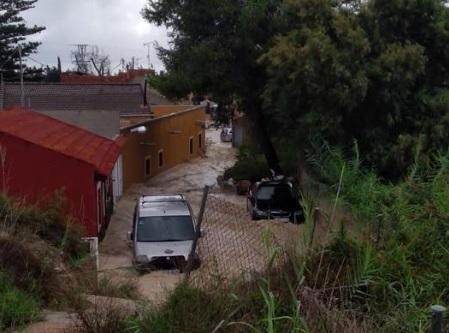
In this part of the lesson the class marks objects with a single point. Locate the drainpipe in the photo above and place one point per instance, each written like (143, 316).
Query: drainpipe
(145, 102)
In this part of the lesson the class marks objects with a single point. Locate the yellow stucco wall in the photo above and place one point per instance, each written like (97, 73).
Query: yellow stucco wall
(169, 134)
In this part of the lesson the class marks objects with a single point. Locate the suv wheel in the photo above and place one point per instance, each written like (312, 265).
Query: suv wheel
(254, 216)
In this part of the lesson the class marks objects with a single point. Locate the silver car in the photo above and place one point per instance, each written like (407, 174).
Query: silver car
(163, 232)
(226, 134)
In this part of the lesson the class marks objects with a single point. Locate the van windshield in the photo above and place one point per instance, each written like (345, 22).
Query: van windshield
(165, 229)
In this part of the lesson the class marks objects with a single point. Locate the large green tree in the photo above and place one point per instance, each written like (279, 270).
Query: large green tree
(14, 31)
(215, 47)
(374, 71)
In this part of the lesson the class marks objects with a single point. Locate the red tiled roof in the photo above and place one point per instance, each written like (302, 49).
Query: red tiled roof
(60, 137)
(121, 77)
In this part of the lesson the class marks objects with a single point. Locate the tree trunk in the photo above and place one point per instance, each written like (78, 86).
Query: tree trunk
(263, 138)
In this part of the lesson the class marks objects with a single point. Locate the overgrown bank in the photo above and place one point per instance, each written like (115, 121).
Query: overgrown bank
(36, 245)
(384, 264)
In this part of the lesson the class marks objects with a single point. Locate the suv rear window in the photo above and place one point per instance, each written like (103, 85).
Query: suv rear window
(165, 229)
(276, 196)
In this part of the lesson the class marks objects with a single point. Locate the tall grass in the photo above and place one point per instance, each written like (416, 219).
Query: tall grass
(406, 228)
(380, 273)
(16, 307)
(49, 221)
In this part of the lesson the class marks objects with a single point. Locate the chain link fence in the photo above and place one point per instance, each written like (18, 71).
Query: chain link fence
(232, 245)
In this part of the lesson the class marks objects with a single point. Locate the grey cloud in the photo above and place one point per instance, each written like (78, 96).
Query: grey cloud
(116, 26)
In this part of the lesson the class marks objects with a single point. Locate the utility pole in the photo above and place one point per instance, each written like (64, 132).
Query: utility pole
(148, 45)
(22, 93)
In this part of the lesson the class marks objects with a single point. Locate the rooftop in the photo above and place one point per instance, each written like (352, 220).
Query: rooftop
(61, 137)
(124, 97)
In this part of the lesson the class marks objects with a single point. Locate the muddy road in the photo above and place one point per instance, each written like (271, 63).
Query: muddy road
(187, 178)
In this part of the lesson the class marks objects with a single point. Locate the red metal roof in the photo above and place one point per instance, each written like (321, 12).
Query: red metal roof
(61, 137)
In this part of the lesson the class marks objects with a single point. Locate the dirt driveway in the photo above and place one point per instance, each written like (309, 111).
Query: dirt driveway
(188, 179)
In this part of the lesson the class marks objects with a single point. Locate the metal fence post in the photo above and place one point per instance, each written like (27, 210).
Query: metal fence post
(437, 318)
(190, 261)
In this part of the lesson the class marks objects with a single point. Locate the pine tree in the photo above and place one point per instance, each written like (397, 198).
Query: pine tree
(13, 31)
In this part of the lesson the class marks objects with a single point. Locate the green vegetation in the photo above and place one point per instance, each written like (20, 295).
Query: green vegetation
(252, 165)
(16, 307)
(36, 243)
(48, 221)
(382, 263)
(375, 71)
(14, 31)
(404, 228)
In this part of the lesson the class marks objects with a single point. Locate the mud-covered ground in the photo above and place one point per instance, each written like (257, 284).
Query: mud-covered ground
(187, 178)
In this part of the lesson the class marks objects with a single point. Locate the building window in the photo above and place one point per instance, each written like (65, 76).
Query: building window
(147, 166)
(161, 158)
(191, 145)
(200, 140)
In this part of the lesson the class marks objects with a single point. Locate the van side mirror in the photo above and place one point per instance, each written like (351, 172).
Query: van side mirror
(130, 236)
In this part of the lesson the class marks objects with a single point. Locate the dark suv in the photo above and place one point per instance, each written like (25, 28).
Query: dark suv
(275, 199)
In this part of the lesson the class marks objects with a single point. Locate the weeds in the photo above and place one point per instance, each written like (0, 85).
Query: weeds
(103, 316)
(124, 288)
(49, 221)
(16, 307)
(28, 265)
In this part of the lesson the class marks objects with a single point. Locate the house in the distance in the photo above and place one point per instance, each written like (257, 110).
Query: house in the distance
(94, 107)
(131, 76)
(41, 155)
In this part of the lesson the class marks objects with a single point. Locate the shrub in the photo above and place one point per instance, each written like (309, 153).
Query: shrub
(119, 288)
(101, 317)
(49, 221)
(187, 310)
(16, 307)
(251, 165)
(29, 266)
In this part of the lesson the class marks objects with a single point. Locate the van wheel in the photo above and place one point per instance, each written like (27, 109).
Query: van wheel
(180, 264)
(141, 268)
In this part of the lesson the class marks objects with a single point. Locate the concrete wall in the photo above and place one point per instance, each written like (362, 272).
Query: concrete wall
(242, 132)
(170, 134)
(103, 123)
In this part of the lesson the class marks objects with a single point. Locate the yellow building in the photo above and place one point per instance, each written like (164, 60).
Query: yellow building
(152, 144)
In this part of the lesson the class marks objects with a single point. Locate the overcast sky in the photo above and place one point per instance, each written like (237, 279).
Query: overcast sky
(116, 26)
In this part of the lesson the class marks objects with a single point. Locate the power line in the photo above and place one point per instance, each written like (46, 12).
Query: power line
(36, 61)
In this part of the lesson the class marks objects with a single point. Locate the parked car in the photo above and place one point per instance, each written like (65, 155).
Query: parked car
(275, 199)
(226, 134)
(162, 233)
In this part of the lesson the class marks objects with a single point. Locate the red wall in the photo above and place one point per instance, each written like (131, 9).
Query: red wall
(35, 173)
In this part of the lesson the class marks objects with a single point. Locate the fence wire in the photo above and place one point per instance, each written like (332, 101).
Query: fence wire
(232, 245)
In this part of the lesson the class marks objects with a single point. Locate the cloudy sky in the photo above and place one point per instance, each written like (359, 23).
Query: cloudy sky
(116, 26)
